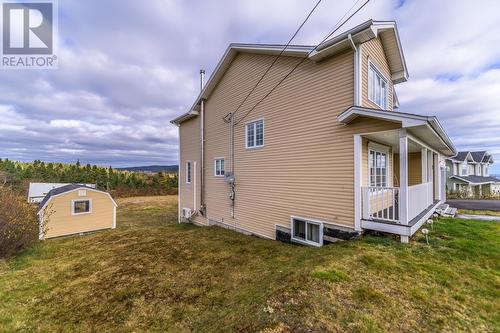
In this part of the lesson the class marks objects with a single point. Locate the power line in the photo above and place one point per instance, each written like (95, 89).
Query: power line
(275, 59)
(336, 28)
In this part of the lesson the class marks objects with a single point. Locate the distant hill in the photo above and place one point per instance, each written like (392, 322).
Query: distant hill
(152, 168)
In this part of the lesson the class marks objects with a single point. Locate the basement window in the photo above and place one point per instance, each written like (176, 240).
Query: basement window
(377, 86)
(219, 167)
(307, 232)
(81, 207)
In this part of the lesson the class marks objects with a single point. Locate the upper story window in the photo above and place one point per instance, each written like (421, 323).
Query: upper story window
(219, 167)
(255, 134)
(378, 168)
(465, 169)
(188, 172)
(486, 172)
(377, 86)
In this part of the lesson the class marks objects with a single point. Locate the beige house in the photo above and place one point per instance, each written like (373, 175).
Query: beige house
(324, 155)
(75, 209)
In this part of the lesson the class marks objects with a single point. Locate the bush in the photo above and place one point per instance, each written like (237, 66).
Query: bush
(18, 223)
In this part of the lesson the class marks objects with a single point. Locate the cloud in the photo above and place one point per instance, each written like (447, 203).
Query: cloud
(127, 68)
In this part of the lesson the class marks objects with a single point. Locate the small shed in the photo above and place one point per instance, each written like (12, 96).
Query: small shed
(74, 209)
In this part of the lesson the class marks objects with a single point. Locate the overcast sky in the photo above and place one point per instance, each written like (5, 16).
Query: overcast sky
(128, 67)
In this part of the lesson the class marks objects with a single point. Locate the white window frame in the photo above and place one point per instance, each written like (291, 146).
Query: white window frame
(466, 165)
(381, 150)
(307, 221)
(371, 65)
(82, 213)
(254, 122)
(189, 175)
(223, 168)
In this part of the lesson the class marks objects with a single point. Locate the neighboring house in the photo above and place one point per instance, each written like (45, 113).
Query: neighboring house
(74, 209)
(38, 191)
(324, 156)
(468, 172)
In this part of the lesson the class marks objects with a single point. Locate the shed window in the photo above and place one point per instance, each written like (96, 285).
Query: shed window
(255, 134)
(378, 168)
(219, 167)
(377, 87)
(81, 206)
(304, 231)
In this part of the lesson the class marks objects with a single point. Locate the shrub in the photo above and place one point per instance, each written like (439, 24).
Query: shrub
(18, 223)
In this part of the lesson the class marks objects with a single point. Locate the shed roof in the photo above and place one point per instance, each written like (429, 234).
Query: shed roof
(67, 188)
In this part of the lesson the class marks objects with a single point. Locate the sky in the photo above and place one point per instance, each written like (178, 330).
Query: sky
(126, 68)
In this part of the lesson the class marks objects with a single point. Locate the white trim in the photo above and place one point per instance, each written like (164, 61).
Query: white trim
(403, 176)
(194, 186)
(215, 167)
(306, 220)
(358, 180)
(180, 182)
(376, 68)
(75, 189)
(190, 163)
(82, 213)
(255, 134)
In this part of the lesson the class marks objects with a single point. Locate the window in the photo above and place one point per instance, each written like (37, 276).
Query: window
(305, 231)
(219, 167)
(377, 87)
(255, 134)
(81, 207)
(188, 172)
(465, 169)
(378, 168)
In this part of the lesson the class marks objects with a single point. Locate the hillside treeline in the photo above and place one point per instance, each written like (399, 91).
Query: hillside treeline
(18, 175)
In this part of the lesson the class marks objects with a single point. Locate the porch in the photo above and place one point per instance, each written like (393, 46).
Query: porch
(401, 182)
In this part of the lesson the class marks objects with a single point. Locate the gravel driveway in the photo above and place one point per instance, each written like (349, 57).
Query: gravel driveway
(475, 204)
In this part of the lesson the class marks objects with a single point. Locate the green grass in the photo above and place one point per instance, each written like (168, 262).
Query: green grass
(478, 212)
(151, 274)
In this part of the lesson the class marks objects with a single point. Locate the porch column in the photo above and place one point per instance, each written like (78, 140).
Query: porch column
(403, 176)
(358, 174)
(424, 164)
(437, 178)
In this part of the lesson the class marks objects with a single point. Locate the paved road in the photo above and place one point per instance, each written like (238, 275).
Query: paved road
(475, 204)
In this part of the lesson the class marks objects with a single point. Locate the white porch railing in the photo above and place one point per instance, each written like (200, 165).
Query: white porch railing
(380, 203)
(419, 198)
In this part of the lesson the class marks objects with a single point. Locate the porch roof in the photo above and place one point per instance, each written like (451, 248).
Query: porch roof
(426, 128)
(477, 180)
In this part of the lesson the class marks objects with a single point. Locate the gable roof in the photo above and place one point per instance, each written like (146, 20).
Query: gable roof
(474, 156)
(67, 188)
(478, 156)
(428, 125)
(386, 30)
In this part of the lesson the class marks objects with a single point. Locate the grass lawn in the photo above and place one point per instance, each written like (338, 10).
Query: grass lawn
(478, 212)
(151, 274)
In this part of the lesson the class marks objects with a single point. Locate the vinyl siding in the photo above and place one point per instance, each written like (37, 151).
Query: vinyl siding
(414, 168)
(373, 51)
(61, 221)
(189, 140)
(306, 166)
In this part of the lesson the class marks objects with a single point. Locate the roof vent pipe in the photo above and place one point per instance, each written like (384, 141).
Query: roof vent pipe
(202, 79)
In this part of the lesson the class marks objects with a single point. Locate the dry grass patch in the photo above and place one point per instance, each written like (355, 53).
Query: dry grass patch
(151, 274)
